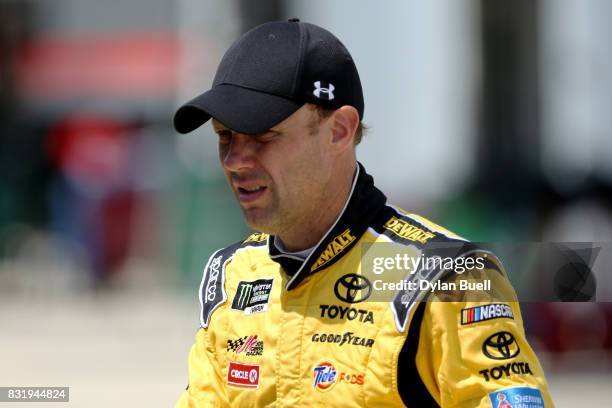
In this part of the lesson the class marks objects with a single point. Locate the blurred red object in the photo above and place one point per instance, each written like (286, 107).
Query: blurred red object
(91, 150)
(109, 65)
(93, 203)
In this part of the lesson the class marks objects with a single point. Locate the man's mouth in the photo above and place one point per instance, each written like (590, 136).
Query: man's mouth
(250, 189)
(250, 194)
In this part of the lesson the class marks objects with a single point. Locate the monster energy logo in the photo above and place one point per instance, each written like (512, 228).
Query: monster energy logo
(244, 296)
(252, 296)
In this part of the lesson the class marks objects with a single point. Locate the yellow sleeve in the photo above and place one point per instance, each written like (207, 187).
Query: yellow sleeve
(206, 386)
(475, 353)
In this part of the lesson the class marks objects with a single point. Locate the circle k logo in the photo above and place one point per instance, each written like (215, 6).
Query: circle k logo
(500, 346)
(243, 375)
(353, 288)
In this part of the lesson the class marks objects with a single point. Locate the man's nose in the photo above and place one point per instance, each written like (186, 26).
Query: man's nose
(240, 154)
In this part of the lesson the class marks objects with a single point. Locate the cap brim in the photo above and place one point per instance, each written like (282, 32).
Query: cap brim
(242, 110)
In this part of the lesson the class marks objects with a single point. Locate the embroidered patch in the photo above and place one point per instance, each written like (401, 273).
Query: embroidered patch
(248, 345)
(486, 312)
(243, 375)
(252, 296)
(517, 397)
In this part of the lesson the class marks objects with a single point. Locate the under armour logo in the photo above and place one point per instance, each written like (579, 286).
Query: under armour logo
(319, 90)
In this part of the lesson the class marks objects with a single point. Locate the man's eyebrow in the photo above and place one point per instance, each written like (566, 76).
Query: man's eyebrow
(218, 126)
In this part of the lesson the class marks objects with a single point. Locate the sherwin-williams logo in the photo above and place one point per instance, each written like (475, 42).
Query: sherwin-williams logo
(324, 376)
(486, 312)
(502, 401)
(256, 237)
(336, 246)
(516, 397)
(407, 230)
(243, 375)
(252, 297)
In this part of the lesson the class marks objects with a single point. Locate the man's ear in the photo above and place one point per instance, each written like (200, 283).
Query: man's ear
(344, 123)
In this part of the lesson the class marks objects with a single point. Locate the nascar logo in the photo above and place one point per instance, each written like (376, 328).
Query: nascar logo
(486, 312)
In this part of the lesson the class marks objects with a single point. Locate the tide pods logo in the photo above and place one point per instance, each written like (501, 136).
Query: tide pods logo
(324, 376)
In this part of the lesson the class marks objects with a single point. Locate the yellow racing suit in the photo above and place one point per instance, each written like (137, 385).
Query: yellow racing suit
(279, 331)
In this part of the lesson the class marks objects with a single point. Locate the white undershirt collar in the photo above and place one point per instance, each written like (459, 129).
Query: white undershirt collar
(303, 254)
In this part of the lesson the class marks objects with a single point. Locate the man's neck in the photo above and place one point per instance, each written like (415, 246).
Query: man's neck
(313, 229)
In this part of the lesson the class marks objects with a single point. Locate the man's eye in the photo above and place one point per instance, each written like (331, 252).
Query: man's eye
(266, 137)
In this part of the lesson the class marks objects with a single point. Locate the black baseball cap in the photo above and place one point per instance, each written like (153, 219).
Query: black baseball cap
(269, 73)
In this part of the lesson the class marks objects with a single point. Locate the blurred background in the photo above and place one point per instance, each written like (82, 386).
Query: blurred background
(490, 117)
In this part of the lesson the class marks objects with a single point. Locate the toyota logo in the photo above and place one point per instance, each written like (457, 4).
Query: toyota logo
(500, 346)
(353, 288)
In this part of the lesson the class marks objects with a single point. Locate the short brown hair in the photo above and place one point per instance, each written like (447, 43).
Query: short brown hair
(323, 113)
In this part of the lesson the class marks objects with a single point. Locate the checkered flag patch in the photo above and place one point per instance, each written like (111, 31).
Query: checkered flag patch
(233, 345)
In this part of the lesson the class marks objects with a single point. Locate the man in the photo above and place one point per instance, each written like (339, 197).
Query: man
(289, 317)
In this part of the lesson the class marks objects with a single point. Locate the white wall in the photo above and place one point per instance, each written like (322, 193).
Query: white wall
(419, 70)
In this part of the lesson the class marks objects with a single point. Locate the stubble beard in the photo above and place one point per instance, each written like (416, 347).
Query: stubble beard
(267, 219)
(274, 218)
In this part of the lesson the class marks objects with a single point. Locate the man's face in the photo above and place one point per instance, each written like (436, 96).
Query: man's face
(279, 177)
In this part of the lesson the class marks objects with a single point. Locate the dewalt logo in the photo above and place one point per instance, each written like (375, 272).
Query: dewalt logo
(256, 237)
(336, 246)
(407, 231)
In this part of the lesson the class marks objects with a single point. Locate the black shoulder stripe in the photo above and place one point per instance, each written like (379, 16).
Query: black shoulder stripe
(405, 299)
(212, 287)
(431, 245)
(410, 386)
(493, 262)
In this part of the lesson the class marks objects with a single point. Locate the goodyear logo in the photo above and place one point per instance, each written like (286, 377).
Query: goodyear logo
(336, 246)
(408, 231)
(256, 237)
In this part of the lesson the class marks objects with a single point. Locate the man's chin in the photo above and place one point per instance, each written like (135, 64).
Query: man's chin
(259, 220)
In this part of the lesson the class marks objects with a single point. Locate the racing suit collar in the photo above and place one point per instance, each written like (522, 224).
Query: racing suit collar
(364, 205)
